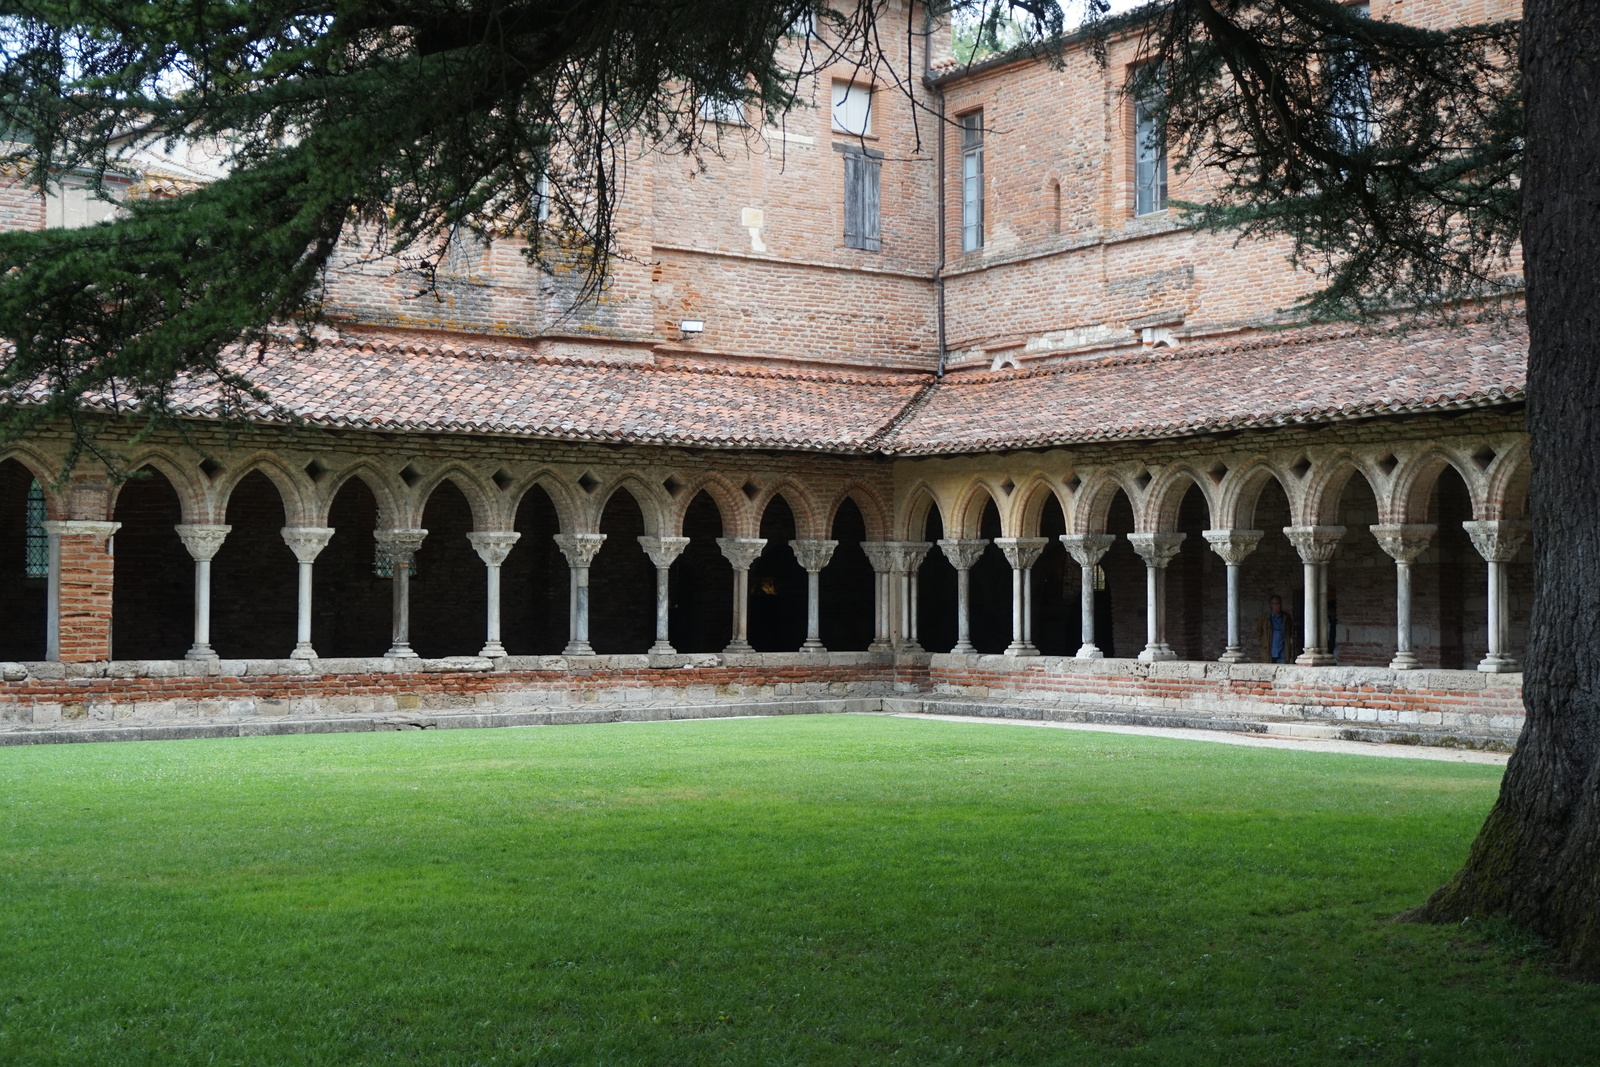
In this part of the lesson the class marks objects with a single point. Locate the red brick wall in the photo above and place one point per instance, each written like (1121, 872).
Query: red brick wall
(85, 598)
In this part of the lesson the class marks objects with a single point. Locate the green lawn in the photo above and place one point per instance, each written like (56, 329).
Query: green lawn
(803, 890)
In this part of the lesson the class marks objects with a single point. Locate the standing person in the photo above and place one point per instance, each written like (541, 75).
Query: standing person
(1275, 631)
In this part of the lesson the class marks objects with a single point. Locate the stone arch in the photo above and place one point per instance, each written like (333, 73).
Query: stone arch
(808, 524)
(1328, 480)
(1094, 499)
(1164, 498)
(654, 505)
(874, 515)
(1416, 477)
(1506, 495)
(1241, 491)
(152, 585)
(254, 575)
(732, 506)
(294, 495)
(447, 577)
(919, 502)
(40, 468)
(967, 516)
(621, 576)
(701, 579)
(378, 484)
(1030, 503)
(555, 488)
(485, 516)
(351, 599)
(192, 496)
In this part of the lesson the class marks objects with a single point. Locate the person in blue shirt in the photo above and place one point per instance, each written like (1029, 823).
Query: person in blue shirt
(1276, 633)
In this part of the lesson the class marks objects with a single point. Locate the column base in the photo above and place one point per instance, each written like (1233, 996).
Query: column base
(400, 652)
(964, 647)
(200, 652)
(1159, 653)
(304, 651)
(1499, 664)
(1234, 654)
(814, 648)
(661, 648)
(737, 646)
(1090, 652)
(1403, 661)
(493, 650)
(578, 648)
(1315, 658)
(909, 646)
(880, 646)
(1021, 650)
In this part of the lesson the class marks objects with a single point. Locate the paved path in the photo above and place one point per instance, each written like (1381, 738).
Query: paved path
(1228, 737)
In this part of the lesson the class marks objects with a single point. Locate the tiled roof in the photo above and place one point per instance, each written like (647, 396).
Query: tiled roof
(390, 382)
(1302, 376)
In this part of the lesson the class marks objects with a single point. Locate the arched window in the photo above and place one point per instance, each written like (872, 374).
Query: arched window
(37, 563)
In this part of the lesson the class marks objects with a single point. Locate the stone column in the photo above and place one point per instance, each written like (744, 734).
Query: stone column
(1498, 541)
(1404, 542)
(813, 556)
(741, 552)
(78, 601)
(306, 542)
(1316, 545)
(908, 557)
(399, 548)
(580, 550)
(1022, 553)
(881, 555)
(492, 546)
(962, 556)
(1157, 550)
(1088, 550)
(203, 540)
(1233, 546)
(662, 552)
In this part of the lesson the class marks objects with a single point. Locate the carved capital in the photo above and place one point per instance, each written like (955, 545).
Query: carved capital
(880, 554)
(813, 555)
(908, 555)
(741, 551)
(1498, 540)
(663, 550)
(397, 547)
(306, 542)
(963, 554)
(1088, 549)
(1157, 549)
(1021, 552)
(1234, 546)
(493, 546)
(1404, 542)
(202, 539)
(1315, 544)
(580, 549)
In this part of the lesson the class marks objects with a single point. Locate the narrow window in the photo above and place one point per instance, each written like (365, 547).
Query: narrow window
(36, 540)
(1150, 160)
(861, 201)
(1055, 207)
(1350, 93)
(972, 181)
(852, 108)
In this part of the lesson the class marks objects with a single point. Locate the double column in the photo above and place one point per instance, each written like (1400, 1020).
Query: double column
(492, 546)
(881, 555)
(1498, 541)
(906, 562)
(203, 540)
(580, 550)
(813, 556)
(1022, 553)
(1234, 546)
(1088, 550)
(398, 548)
(663, 552)
(741, 552)
(963, 556)
(307, 543)
(1316, 545)
(1157, 550)
(1403, 542)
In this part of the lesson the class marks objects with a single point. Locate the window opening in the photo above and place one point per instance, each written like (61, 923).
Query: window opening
(861, 178)
(383, 566)
(972, 181)
(1150, 160)
(1099, 579)
(852, 108)
(1350, 93)
(36, 541)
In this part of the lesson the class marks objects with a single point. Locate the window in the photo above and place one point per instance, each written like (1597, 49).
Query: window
(728, 110)
(542, 196)
(972, 181)
(383, 564)
(1350, 94)
(36, 541)
(74, 204)
(861, 200)
(852, 108)
(1149, 160)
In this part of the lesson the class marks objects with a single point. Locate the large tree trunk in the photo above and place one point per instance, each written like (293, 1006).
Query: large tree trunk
(1537, 858)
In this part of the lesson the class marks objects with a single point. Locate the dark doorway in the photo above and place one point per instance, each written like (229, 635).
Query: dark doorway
(152, 599)
(351, 598)
(534, 584)
(777, 585)
(622, 582)
(936, 590)
(990, 590)
(449, 587)
(701, 583)
(254, 577)
(24, 564)
(847, 584)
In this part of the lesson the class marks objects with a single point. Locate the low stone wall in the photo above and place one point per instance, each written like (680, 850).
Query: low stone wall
(1465, 701)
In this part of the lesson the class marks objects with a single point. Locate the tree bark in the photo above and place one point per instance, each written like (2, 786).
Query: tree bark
(1537, 858)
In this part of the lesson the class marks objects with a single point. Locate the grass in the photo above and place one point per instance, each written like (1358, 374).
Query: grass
(813, 890)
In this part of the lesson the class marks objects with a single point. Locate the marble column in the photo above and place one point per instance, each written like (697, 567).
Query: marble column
(1498, 541)
(741, 552)
(813, 556)
(580, 550)
(1404, 542)
(1316, 545)
(203, 540)
(1088, 550)
(663, 552)
(1022, 553)
(963, 554)
(307, 543)
(1157, 550)
(399, 548)
(1233, 546)
(908, 557)
(881, 555)
(492, 546)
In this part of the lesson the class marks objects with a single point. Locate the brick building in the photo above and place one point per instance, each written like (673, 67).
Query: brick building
(1005, 435)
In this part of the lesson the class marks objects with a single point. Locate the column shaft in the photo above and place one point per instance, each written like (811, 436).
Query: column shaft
(1087, 649)
(963, 611)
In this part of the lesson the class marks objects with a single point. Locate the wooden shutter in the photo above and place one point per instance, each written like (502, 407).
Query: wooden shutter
(861, 176)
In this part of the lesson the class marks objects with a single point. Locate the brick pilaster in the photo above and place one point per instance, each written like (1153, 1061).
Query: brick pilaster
(79, 620)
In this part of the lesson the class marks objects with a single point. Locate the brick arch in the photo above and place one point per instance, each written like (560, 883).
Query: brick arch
(653, 503)
(1164, 497)
(730, 501)
(1030, 503)
(1094, 498)
(1241, 490)
(376, 479)
(871, 506)
(485, 516)
(1417, 475)
(1328, 480)
(192, 496)
(915, 516)
(1506, 495)
(966, 518)
(556, 488)
(55, 504)
(295, 493)
(807, 515)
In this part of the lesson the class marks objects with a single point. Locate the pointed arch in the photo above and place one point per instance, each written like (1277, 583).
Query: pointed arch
(873, 512)
(192, 496)
(1416, 477)
(41, 469)
(914, 518)
(966, 518)
(1328, 480)
(731, 504)
(377, 482)
(1094, 499)
(294, 492)
(485, 516)
(807, 515)
(1241, 490)
(654, 504)
(1164, 497)
(555, 487)
(1506, 495)
(1030, 502)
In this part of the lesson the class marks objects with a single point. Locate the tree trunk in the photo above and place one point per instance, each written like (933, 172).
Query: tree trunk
(1537, 858)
